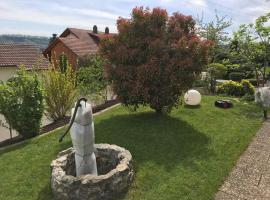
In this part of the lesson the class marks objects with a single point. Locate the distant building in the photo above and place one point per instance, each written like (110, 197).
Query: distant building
(74, 43)
(14, 55)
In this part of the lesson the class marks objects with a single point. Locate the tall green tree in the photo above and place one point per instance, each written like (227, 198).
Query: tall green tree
(263, 32)
(215, 31)
(253, 41)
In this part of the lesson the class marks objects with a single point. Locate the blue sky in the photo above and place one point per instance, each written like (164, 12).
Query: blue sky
(44, 17)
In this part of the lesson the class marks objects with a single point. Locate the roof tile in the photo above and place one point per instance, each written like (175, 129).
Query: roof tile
(17, 54)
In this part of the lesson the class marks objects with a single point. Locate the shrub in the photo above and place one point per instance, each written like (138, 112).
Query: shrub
(230, 88)
(236, 76)
(248, 88)
(233, 67)
(63, 62)
(90, 76)
(248, 97)
(59, 92)
(199, 83)
(233, 88)
(216, 70)
(154, 57)
(253, 81)
(21, 103)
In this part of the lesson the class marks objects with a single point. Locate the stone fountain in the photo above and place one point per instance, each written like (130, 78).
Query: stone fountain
(89, 171)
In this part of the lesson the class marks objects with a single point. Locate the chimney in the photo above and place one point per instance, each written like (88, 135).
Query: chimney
(107, 30)
(54, 35)
(95, 29)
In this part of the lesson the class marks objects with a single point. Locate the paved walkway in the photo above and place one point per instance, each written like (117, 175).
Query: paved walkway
(250, 178)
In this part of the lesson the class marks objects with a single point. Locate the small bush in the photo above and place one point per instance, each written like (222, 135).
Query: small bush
(90, 76)
(233, 88)
(254, 82)
(199, 83)
(63, 62)
(230, 88)
(248, 97)
(59, 92)
(21, 103)
(217, 70)
(248, 88)
(236, 76)
(232, 67)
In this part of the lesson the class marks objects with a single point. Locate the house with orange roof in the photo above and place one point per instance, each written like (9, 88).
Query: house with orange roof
(74, 43)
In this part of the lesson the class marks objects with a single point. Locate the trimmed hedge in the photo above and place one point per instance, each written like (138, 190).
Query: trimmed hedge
(233, 88)
(217, 70)
(236, 76)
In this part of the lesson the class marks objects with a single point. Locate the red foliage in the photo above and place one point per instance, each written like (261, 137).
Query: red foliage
(154, 57)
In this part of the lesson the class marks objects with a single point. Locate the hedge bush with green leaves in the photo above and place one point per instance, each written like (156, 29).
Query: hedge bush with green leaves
(233, 88)
(21, 103)
(60, 92)
(236, 76)
(90, 76)
(217, 70)
(253, 81)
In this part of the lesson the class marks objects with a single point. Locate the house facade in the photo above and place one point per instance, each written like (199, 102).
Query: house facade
(14, 55)
(74, 43)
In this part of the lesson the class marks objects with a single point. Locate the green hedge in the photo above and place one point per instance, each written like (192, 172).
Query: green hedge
(233, 88)
(236, 76)
(253, 81)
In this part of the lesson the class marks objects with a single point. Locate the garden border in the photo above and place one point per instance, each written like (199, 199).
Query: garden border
(58, 128)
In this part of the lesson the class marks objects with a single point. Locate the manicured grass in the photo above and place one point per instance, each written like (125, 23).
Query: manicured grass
(184, 155)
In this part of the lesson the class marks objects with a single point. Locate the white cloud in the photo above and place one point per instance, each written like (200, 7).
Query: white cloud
(86, 13)
(69, 17)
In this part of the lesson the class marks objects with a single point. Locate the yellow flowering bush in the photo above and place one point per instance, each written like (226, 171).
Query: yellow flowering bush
(233, 88)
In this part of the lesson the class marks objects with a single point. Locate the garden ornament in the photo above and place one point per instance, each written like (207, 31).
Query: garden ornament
(83, 138)
(262, 97)
(192, 97)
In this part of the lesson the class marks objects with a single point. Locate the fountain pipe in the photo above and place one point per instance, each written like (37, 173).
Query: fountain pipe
(78, 104)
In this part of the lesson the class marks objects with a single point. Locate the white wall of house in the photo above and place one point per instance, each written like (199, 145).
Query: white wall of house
(7, 72)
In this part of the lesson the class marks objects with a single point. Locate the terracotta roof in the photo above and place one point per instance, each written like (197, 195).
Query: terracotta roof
(17, 54)
(80, 41)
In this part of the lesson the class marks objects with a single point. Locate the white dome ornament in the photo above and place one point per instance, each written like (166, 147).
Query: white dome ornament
(192, 98)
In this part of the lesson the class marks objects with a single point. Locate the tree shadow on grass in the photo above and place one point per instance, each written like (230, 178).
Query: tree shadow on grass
(162, 139)
(159, 141)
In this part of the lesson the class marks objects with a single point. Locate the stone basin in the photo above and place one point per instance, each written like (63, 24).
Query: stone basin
(115, 174)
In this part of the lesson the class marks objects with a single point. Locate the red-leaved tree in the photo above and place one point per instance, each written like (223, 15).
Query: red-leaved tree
(154, 58)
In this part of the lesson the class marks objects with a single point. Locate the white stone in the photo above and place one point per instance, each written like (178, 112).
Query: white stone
(83, 139)
(192, 97)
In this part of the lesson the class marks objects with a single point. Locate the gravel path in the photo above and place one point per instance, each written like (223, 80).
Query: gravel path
(250, 178)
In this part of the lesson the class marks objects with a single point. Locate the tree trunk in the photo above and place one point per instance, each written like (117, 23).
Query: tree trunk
(265, 114)
(257, 77)
(264, 69)
(10, 132)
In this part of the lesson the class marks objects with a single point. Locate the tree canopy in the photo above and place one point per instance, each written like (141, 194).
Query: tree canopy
(154, 57)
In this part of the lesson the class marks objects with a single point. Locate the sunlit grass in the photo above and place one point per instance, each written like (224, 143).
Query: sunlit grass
(184, 155)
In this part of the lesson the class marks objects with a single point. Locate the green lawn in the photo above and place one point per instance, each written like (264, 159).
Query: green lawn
(184, 155)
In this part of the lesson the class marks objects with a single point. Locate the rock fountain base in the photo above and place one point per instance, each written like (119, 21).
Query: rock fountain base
(115, 174)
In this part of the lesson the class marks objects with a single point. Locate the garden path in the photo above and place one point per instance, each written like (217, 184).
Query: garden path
(250, 178)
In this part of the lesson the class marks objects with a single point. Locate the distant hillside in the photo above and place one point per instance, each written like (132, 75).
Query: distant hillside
(40, 41)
